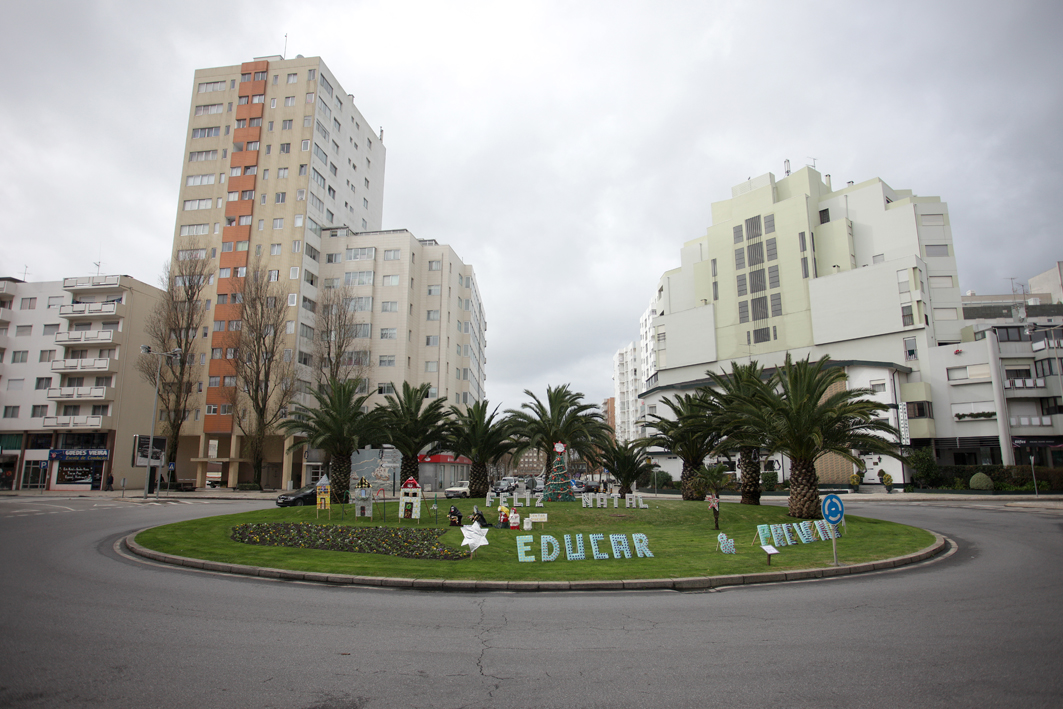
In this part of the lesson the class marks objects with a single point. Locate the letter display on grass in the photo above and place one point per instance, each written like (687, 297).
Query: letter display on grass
(550, 547)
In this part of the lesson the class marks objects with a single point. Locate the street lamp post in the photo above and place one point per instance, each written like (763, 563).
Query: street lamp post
(146, 349)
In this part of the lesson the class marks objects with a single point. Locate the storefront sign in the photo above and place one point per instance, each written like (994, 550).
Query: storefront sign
(79, 454)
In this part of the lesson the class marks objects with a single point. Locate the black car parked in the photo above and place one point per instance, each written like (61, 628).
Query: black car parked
(296, 498)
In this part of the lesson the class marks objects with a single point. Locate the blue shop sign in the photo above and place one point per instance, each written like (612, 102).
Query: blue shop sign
(79, 454)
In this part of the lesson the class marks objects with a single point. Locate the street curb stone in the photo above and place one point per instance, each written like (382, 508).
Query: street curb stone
(692, 583)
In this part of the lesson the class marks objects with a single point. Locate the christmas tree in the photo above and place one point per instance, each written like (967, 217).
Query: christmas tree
(559, 486)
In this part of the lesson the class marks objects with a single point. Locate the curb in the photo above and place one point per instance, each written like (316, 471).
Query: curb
(680, 584)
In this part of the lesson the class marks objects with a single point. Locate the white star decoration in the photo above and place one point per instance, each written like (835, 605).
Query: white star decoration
(475, 536)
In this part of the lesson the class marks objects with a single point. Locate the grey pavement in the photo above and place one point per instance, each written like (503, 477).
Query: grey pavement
(81, 624)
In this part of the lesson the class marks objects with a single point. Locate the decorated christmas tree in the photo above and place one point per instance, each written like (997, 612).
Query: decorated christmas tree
(559, 486)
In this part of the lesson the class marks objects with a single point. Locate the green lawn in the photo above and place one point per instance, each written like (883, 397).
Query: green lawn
(680, 534)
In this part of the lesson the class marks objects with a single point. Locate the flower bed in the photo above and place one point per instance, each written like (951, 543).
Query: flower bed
(391, 541)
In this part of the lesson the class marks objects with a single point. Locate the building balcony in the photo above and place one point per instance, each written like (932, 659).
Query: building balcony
(78, 422)
(92, 310)
(88, 336)
(1019, 385)
(81, 394)
(1016, 349)
(1030, 421)
(85, 365)
(91, 284)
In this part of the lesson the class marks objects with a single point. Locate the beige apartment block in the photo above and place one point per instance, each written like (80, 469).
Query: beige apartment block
(71, 396)
(281, 169)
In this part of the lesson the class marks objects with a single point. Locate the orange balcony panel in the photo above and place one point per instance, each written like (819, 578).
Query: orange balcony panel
(220, 368)
(236, 233)
(243, 135)
(244, 182)
(260, 65)
(219, 395)
(217, 424)
(232, 259)
(241, 208)
(257, 87)
(244, 158)
(250, 110)
(227, 312)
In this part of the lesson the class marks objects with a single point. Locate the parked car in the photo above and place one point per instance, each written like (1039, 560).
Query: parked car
(297, 498)
(591, 486)
(459, 490)
(577, 487)
(506, 484)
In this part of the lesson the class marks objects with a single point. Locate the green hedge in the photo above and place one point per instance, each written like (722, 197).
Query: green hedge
(1004, 477)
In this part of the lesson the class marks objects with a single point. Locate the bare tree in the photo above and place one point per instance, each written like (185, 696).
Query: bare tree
(339, 314)
(175, 323)
(262, 364)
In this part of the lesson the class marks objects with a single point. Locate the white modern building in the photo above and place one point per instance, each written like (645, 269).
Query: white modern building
(865, 274)
(626, 387)
(1050, 282)
(71, 395)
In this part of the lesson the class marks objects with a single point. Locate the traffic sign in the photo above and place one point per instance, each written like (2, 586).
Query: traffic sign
(833, 509)
(173, 467)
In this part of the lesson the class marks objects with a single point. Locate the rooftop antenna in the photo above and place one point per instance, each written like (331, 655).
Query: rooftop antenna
(285, 52)
(25, 272)
(1012, 279)
(813, 161)
(97, 265)
(786, 164)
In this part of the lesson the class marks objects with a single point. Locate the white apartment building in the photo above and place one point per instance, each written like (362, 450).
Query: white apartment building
(1049, 282)
(71, 396)
(282, 170)
(626, 387)
(865, 274)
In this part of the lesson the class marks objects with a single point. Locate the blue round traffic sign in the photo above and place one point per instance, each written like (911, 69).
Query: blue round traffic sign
(833, 509)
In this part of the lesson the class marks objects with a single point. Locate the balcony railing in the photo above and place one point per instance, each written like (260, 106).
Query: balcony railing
(75, 421)
(1031, 420)
(1036, 383)
(81, 310)
(75, 393)
(84, 336)
(91, 282)
(83, 365)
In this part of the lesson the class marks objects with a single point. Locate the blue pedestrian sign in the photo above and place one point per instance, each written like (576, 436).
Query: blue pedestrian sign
(173, 467)
(833, 509)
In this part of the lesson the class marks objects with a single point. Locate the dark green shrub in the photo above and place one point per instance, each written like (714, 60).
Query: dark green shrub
(248, 486)
(927, 473)
(769, 480)
(981, 481)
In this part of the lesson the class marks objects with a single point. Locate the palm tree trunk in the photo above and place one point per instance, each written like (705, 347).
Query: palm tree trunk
(410, 469)
(749, 464)
(804, 490)
(478, 482)
(340, 478)
(688, 482)
(716, 515)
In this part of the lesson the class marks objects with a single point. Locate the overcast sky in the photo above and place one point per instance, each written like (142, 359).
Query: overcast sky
(566, 150)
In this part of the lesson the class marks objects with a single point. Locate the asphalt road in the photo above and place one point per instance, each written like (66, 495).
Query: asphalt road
(82, 626)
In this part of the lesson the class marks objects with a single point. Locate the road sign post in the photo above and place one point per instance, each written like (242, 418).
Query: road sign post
(833, 513)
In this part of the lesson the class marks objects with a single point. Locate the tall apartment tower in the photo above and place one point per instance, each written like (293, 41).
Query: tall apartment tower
(865, 274)
(282, 170)
(626, 387)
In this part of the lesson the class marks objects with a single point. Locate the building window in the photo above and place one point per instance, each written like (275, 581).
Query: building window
(433, 315)
(388, 333)
(740, 258)
(759, 307)
(801, 244)
(769, 224)
(741, 284)
(762, 334)
(11, 412)
(390, 281)
(770, 247)
(431, 341)
(435, 265)
(804, 267)
(743, 311)
(738, 233)
(431, 366)
(392, 254)
(389, 306)
(776, 305)
(937, 250)
(910, 350)
(824, 216)
(387, 360)
(756, 253)
(773, 276)
(385, 388)
(920, 410)
(756, 281)
(358, 278)
(28, 304)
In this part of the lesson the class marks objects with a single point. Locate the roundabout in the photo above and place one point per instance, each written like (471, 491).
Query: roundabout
(972, 627)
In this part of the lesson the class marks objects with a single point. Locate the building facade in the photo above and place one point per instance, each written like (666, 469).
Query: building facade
(283, 177)
(626, 387)
(71, 395)
(865, 275)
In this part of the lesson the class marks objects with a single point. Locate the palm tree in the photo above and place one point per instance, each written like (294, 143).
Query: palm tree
(690, 434)
(476, 435)
(339, 426)
(626, 461)
(411, 426)
(808, 414)
(713, 479)
(563, 417)
(723, 404)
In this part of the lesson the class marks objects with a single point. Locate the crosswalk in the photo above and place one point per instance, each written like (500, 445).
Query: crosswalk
(38, 509)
